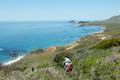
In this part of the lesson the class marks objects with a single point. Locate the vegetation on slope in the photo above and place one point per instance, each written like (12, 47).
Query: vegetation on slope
(106, 44)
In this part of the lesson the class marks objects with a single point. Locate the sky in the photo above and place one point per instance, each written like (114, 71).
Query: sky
(57, 10)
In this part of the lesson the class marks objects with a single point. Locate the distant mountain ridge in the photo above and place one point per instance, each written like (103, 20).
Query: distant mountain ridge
(114, 19)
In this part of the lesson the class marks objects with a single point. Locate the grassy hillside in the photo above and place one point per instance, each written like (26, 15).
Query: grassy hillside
(96, 57)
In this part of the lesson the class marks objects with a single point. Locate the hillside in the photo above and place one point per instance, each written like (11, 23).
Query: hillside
(114, 19)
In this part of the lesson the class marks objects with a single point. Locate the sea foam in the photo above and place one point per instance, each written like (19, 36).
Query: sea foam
(1, 49)
(13, 61)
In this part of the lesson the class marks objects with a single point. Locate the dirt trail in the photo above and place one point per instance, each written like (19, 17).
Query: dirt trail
(72, 46)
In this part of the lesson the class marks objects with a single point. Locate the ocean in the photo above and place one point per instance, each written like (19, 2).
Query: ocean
(19, 38)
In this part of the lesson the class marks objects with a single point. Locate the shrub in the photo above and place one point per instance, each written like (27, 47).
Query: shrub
(106, 44)
(59, 57)
(22, 68)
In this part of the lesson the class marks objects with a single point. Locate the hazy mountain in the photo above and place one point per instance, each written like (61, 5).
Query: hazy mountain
(114, 19)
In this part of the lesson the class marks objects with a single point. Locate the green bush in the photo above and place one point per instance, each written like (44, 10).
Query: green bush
(106, 44)
(59, 57)
(22, 67)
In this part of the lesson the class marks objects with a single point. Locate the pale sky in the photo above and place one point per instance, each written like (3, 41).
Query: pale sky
(46, 10)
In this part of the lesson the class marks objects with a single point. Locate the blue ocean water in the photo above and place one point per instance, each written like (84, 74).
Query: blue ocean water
(23, 37)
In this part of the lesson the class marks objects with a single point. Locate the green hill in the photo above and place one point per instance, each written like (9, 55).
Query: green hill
(114, 19)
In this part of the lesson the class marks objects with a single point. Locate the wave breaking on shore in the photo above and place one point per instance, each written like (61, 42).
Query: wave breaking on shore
(1, 49)
(13, 61)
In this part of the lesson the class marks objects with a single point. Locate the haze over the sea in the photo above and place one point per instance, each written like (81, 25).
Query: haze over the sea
(60, 10)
